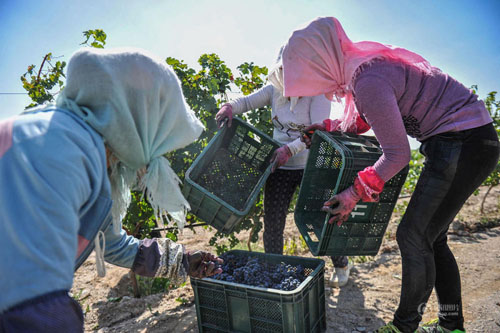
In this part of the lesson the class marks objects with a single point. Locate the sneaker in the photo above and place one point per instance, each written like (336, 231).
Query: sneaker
(340, 276)
(388, 328)
(433, 327)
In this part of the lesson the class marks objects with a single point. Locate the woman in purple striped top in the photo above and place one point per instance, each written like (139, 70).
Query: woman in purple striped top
(398, 93)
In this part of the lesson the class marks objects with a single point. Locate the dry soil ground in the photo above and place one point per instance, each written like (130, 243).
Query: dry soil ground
(369, 299)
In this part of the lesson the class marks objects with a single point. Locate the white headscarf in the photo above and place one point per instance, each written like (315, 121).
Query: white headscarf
(134, 100)
(276, 79)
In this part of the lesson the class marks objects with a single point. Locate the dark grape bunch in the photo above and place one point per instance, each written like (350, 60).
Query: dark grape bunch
(255, 272)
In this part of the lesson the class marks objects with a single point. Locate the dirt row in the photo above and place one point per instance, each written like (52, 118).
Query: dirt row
(368, 301)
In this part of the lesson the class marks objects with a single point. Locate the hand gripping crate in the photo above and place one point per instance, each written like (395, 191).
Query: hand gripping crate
(223, 306)
(224, 181)
(333, 163)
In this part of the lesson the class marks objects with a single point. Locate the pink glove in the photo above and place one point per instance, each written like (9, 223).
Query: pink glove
(202, 264)
(359, 128)
(226, 111)
(281, 156)
(344, 203)
(361, 125)
(332, 125)
(367, 186)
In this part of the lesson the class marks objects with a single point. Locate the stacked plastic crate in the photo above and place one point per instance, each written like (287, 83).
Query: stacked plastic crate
(333, 163)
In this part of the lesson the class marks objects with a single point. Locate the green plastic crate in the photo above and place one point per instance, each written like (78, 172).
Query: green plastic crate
(223, 306)
(333, 163)
(224, 181)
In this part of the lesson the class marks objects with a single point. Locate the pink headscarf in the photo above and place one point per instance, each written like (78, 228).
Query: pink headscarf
(321, 59)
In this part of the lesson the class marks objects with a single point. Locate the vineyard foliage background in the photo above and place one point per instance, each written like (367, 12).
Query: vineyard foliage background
(205, 90)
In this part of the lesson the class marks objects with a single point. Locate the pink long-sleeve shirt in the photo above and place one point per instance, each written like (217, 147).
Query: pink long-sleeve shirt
(398, 100)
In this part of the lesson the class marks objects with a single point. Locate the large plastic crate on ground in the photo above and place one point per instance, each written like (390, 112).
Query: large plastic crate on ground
(231, 307)
(333, 163)
(224, 181)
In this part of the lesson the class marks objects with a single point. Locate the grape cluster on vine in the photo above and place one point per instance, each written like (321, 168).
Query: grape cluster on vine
(256, 272)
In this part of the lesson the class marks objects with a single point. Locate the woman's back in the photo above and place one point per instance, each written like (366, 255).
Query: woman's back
(429, 104)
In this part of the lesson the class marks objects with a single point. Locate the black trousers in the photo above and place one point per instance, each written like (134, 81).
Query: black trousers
(278, 194)
(456, 163)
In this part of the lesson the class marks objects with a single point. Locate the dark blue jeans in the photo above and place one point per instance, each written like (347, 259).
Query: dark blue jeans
(456, 163)
(52, 312)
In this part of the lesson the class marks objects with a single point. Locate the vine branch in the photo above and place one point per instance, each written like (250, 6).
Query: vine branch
(41, 67)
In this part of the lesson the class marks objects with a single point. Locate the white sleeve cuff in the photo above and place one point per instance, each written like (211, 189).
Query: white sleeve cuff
(237, 106)
(296, 146)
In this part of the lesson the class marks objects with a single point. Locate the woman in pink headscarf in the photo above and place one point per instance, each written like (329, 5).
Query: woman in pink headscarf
(398, 93)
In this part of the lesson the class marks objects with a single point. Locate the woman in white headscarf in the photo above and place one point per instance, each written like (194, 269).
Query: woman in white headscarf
(67, 171)
(289, 116)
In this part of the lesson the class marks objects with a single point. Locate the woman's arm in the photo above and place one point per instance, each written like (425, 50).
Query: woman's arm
(258, 99)
(376, 100)
(165, 258)
(120, 248)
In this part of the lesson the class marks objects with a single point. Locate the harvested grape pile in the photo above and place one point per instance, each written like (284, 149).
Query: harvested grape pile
(258, 273)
